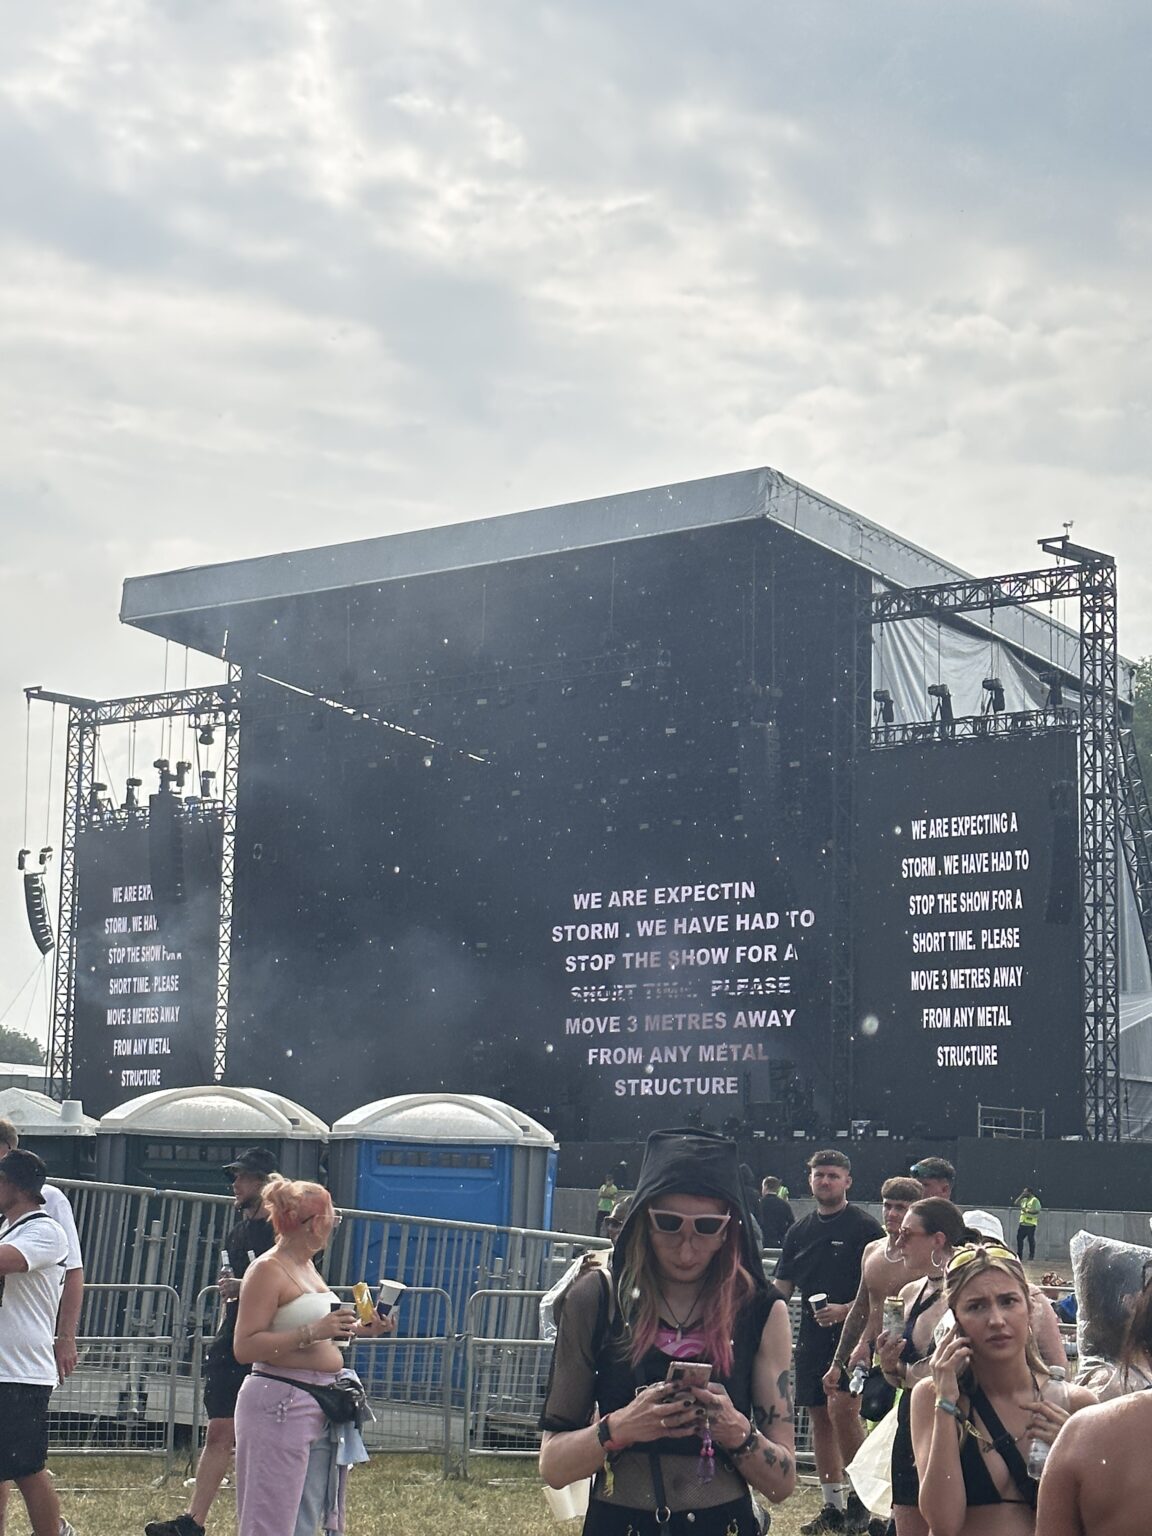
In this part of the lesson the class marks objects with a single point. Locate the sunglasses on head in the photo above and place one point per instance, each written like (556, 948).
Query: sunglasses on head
(971, 1251)
(672, 1223)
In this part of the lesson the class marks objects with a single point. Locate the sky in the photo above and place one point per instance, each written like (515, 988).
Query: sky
(276, 276)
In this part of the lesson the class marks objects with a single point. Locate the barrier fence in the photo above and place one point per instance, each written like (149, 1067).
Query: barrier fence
(464, 1376)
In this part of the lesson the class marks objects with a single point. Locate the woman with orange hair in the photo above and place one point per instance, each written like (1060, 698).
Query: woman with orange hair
(288, 1328)
(687, 1289)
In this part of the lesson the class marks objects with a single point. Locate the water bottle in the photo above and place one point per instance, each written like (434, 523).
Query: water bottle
(857, 1379)
(1038, 1449)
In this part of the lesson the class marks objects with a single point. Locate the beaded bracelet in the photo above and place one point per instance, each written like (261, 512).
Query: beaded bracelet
(944, 1406)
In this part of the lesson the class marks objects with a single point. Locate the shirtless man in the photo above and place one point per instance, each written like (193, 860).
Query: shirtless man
(1095, 1481)
(884, 1272)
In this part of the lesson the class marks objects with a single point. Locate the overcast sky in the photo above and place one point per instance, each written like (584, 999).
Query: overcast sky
(280, 274)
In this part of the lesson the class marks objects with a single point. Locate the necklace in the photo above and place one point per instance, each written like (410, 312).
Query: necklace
(893, 1258)
(681, 1323)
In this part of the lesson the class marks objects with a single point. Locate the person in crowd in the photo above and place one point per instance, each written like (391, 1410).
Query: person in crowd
(289, 1325)
(822, 1255)
(687, 1285)
(33, 1255)
(57, 1206)
(1131, 1368)
(1030, 1209)
(883, 1271)
(988, 1398)
(617, 1216)
(1045, 1321)
(936, 1175)
(775, 1213)
(606, 1197)
(930, 1231)
(251, 1236)
(1095, 1481)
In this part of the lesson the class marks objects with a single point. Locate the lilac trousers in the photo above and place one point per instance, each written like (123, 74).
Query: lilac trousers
(285, 1459)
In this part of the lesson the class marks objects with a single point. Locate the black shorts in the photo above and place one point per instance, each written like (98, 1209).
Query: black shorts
(24, 1441)
(814, 1351)
(905, 1478)
(738, 1518)
(223, 1379)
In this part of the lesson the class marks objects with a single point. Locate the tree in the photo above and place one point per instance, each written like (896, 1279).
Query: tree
(20, 1049)
(1142, 716)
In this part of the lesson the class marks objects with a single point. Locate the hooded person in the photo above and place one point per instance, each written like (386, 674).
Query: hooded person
(670, 1378)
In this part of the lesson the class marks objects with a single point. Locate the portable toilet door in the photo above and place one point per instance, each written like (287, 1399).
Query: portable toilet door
(62, 1134)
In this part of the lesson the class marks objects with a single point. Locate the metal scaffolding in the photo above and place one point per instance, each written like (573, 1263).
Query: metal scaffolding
(86, 718)
(1090, 577)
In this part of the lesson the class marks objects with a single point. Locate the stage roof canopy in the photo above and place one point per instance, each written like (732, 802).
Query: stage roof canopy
(198, 605)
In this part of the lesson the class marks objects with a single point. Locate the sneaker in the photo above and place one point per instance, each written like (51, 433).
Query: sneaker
(183, 1525)
(856, 1516)
(829, 1519)
(66, 1529)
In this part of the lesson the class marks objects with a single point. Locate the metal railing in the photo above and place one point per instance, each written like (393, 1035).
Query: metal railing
(121, 1397)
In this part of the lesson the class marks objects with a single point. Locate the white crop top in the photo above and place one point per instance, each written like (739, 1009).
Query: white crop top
(308, 1308)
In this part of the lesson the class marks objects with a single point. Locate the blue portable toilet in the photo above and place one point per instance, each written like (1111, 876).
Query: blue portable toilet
(180, 1138)
(62, 1134)
(448, 1156)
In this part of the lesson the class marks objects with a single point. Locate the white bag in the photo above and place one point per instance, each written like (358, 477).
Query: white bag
(871, 1468)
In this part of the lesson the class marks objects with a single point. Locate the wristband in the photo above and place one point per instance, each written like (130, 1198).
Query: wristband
(604, 1435)
(944, 1406)
(746, 1446)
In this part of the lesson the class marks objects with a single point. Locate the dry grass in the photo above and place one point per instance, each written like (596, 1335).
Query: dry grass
(391, 1496)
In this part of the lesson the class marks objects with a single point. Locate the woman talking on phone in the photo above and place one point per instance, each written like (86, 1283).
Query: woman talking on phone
(989, 1397)
(675, 1457)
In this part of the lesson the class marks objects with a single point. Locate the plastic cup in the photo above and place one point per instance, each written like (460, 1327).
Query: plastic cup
(570, 1503)
(819, 1301)
(388, 1295)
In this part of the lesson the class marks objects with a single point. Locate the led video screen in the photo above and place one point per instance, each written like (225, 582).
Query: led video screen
(967, 934)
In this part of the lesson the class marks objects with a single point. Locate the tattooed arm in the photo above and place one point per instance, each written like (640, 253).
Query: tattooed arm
(770, 1467)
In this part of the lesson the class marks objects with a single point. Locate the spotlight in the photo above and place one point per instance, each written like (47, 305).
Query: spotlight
(207, 779)
(942, 709)
(1055, 685)
(207, 735)
(166, 775)
(131, 798)
(885, 708)
(182, 772)
(96, 799)
(994, 703)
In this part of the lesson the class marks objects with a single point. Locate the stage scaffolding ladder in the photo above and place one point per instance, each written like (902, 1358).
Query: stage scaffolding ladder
(1136, 829)
(1014, 1124)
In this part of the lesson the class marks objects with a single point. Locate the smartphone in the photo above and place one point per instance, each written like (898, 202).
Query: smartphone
(689, 1373)
(944, 1327)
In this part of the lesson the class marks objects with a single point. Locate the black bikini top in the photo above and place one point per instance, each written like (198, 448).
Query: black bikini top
(978, 1485)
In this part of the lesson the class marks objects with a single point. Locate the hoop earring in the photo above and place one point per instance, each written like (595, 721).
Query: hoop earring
(932, 1260)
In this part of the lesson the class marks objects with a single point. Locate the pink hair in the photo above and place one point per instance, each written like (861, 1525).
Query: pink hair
(290, 1203)
(727, 1285)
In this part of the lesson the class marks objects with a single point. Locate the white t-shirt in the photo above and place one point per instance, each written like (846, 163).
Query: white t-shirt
(57, 1206)
(30, 1299)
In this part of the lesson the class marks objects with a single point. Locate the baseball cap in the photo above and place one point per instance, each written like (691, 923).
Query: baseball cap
(25, 1170)
(255, 1160)
(980, 1221)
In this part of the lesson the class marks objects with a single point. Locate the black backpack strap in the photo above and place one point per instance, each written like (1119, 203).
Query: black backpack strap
(1004, 1446)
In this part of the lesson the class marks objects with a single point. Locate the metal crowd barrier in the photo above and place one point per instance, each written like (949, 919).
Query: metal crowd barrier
(121, 1398)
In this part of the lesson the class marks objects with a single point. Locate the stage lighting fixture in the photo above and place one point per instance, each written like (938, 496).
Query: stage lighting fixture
(207, 735)
(207, 780)
(166, 775)
(799, 1135)
(131, 798)
(182, 772)
(994, 703)
(885, 708)
(942, 709)
(96, 799)
(1055, 685)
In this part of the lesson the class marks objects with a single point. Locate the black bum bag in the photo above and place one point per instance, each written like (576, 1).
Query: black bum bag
(343, 1402)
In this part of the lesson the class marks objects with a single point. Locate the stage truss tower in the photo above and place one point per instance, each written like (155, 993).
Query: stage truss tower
(1091, 578)
(86, 718)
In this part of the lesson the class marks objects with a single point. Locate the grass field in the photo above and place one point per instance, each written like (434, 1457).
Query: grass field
(391, 1496)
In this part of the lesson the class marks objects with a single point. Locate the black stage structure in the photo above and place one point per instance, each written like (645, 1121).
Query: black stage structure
(565, 807)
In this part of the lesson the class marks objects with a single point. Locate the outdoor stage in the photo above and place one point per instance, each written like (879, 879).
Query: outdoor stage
(583, 808)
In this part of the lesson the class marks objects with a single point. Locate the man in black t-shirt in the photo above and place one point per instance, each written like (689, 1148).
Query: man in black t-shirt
(223, 1374)
(775, 1213)
(822, 1254)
